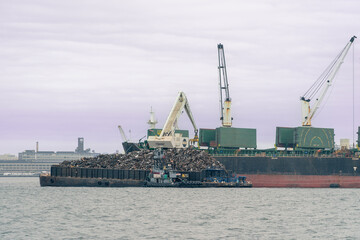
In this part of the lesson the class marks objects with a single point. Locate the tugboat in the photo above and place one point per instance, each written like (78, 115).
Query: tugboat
(163, 175)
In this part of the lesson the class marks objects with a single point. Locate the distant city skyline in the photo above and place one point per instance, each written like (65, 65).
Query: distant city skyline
(74, 69)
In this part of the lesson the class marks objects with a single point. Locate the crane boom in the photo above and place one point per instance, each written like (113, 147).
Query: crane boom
(225, 100)
(125, 139)
(167, 135)
(325, 82)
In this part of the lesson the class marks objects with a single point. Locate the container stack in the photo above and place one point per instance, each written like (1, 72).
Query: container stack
(305, 137)
(228, 137)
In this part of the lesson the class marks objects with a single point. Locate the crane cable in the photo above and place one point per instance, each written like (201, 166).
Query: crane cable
(322, 79)
(325, 100)
(319, 82)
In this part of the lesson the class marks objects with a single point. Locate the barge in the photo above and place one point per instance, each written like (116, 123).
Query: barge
(89, 177)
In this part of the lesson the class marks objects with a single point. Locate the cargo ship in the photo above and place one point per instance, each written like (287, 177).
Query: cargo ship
(304, 156)
(307, 158)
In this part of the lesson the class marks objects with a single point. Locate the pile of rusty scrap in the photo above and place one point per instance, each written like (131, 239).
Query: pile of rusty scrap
(191, 159)
(182, 159)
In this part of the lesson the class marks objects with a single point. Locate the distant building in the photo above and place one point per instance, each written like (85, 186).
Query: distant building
(8, 157)
(33, 162)
(10, 169)
(54, 157)
(57, 157)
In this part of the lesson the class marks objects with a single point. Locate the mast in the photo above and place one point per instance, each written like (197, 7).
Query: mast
(152, 121)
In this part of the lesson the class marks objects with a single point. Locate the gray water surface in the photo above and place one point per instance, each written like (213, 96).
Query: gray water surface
(28, 211)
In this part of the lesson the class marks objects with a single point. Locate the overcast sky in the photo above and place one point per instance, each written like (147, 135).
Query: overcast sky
(72, 69)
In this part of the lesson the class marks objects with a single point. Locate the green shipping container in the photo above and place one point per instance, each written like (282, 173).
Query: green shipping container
(157, 132)
(236, 137)
(285, 137)
(206, 136)
(318, 138)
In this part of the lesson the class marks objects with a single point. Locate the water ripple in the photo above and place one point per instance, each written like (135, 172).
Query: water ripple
(31, 212)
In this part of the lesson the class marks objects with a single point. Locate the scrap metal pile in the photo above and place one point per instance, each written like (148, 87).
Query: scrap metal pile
(182, 159)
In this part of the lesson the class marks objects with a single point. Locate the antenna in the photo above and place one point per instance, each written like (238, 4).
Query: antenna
(353, 94)
(152, 121)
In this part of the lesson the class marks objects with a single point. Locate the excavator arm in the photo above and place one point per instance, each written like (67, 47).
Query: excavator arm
(189, 113)
(168, 138)
(125, 139)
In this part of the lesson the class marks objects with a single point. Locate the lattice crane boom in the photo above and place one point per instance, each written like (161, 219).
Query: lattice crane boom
(323, 83)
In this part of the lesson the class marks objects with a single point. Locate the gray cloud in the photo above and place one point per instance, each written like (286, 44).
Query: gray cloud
(80, 68)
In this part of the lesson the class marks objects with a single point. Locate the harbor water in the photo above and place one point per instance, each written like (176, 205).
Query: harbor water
(28, 211)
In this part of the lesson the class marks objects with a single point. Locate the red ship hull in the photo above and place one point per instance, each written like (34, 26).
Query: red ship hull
(303, 181)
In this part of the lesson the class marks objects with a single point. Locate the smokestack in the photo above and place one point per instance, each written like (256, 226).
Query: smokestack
(80, 147)
(37, 146)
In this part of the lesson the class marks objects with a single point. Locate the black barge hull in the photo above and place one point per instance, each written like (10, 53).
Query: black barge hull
(51, 181)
